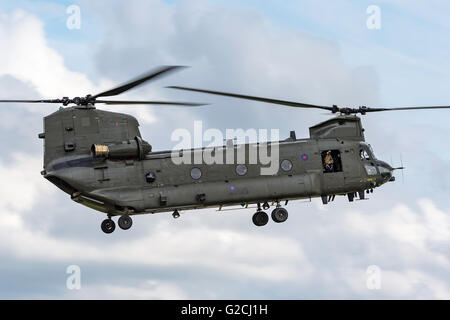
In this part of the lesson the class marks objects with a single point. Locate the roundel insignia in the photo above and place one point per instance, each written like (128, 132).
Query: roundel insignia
(232, 188)
(304, 157)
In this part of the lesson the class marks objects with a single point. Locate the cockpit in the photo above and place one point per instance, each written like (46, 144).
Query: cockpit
(366, 152)
(367, 156)
(371, 163)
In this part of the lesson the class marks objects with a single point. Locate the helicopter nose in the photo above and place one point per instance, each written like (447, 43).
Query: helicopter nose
(386, 170)
(385, 165)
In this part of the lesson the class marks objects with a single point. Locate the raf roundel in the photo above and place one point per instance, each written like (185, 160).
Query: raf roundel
(305, 157)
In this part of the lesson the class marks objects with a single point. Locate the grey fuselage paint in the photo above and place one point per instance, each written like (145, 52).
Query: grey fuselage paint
(115, 185)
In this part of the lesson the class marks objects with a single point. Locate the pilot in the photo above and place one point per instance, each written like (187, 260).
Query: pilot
(328, 162)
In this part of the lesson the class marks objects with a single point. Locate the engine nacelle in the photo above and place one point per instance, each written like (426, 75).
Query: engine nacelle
(136, 148)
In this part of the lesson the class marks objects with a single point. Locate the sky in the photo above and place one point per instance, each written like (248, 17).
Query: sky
(294, 50)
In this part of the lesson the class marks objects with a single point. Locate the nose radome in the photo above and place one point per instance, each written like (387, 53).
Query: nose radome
(385, 164)
(386, 170)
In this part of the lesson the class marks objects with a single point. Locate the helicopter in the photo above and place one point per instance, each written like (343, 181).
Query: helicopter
(101, 161)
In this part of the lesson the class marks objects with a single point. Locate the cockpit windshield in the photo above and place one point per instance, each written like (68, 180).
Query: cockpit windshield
(372, 154)
(366, 152)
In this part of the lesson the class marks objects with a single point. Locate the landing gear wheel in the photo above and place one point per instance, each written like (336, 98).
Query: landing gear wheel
(260, 218)
(279, 215)
(108, 226)
(176, 214)
(125, 222)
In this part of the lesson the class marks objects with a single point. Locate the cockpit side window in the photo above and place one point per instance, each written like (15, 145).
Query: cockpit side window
(364, 155)
(366, 152)
(331, 161)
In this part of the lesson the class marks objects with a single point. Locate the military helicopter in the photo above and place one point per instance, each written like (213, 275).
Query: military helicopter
(100, 159)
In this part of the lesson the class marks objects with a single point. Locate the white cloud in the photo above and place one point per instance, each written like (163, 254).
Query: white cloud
(21, 185)
(399, 240)
(408, 283)
(29, 58)
(417, 232)
(149, 290)
(258, 256)
(321, 255)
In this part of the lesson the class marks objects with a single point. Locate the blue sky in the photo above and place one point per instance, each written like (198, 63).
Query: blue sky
(410, 44)
(294, 50)
(403, 32)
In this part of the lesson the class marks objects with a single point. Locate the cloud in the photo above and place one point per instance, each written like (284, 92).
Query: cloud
(149, 290)
(30, 59)
(229, 48)
(321, 252)
(21, 183)
(328, 257)
(222, 250)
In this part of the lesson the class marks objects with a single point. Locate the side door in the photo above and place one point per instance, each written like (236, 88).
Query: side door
(352, 166)
(332, 168)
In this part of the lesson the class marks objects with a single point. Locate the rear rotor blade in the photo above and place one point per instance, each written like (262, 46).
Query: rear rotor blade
(32, 101)
(152, 75)
(124, 102)
(260, 99)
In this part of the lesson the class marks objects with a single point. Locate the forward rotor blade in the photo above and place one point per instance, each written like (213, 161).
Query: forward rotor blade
(115, 102)
(260, 99)
(152, 75)
(406, 108)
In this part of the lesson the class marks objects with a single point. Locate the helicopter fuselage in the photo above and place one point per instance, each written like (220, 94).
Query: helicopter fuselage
(115, 186)
(99, 158)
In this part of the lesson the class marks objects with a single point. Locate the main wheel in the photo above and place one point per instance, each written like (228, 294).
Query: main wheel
(260, 218)
(279, 215)
(125, 222)
(176, 214)
(108, 226)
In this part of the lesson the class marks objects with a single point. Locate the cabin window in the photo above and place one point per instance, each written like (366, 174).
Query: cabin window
(196, 173)
(331, 161)
(241, 169)
(286, 165)
(150, 177)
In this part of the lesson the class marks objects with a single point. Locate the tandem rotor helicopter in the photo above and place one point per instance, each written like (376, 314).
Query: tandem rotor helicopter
(100, 159)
